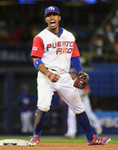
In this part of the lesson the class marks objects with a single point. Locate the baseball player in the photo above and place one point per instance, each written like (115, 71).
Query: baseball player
(71, 118)
(27, 104)
(53, 51)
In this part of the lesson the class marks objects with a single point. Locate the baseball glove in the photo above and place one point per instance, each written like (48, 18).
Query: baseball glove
(82, 80)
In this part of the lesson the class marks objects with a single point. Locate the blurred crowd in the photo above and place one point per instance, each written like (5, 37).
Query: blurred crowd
(106, 40)
(22, 23)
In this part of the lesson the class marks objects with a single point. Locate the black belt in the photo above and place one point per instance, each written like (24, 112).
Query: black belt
(51, 69)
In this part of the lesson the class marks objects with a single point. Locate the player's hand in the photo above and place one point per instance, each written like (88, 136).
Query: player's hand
(53, 77)
(82, 80)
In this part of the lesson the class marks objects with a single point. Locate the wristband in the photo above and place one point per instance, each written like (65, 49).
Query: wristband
(49, 74)
(37, 63)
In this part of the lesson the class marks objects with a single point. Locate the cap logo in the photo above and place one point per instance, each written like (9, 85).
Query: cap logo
(51, 8)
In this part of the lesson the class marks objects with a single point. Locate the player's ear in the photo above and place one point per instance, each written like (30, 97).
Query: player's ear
(59, 18)
(45, 20)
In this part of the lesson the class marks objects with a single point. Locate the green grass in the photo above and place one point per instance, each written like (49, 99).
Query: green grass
(62, 140)
(48, 139)
(54, 139)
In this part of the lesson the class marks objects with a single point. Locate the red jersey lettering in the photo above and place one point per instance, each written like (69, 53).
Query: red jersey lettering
(48, 46)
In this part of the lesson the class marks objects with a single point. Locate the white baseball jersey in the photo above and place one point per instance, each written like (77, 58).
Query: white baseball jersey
(56, 52)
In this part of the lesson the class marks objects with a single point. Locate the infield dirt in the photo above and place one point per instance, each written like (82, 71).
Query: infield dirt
(61, 146)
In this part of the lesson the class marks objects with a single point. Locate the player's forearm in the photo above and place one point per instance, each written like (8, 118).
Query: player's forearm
(41, 67)
(53, 77)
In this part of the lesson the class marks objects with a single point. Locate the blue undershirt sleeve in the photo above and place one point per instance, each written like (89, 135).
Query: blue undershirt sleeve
(76, 64)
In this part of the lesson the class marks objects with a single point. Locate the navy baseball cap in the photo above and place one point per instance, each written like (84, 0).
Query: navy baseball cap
(52, 9)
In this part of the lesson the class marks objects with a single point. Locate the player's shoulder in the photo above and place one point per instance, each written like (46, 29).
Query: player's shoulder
(68, 33)
(42, 33)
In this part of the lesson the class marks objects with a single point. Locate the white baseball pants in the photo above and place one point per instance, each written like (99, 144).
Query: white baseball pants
(71, 118)
(26, 121)
(64, 86)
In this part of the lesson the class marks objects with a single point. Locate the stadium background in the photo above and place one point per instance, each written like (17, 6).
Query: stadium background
(20, 21)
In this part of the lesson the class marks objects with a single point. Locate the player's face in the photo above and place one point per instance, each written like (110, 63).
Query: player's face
(52, 20)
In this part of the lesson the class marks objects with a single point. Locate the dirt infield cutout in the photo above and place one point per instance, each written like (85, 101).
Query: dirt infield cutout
(61, 146)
